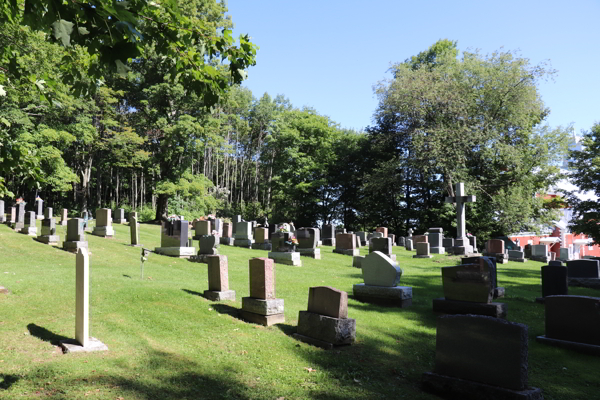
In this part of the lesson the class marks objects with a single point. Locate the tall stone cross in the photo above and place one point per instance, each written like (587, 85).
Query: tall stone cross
(460, 199)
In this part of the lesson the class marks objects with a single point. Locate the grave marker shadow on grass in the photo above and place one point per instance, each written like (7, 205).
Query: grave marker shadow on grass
(44, 334)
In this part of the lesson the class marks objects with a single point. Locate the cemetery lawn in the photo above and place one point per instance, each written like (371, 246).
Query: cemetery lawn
(167, 342)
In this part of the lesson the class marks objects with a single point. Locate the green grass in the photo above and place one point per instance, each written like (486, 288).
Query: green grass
(167, 342)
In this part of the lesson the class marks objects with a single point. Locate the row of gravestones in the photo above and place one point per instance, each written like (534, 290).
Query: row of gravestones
(538, 252)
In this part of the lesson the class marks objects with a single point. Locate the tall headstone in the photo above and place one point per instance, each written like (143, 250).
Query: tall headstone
(227, 234)
(218, 279)
(261, 239)
(39, 208)
(134, 231)
(409, 244)
(326, 324)
(422, 250)
(48, 234)
(13, 216)
(584, 273)
(83, 341)
(174, 239)
(495, 248)
(20, 221)
(262, 307)
(103, 226)
(2, 214)
(236, 220)
(308, 239)
(119, 217)
(555, 281)
(461, 243)
(381, 275)
(243, 235)
(328, 237)
(63, 217)
(75, 236)
(383, 245)
(480, 357)
(29, 226)
(382, 230)
(345, 243)
(436, 241)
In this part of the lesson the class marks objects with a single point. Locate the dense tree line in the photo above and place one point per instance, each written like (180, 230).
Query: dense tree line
(143, 137)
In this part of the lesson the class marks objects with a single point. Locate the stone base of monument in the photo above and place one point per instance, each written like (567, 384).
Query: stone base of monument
(227, 241)
(262, 312)
(41, 216)
(136, 245)
(575, 346)
(181, 252)
(325, 332)
(499, 292)
(399, 296)
(312, 253)
(103, 231)
(456, 388)
(422, 256)
(201, 258)
(18, 226)
(593, 283)
(287, 258)
(328, 242)
(262, 246)
(74, 246)
(357, 261)
(544, 259)
(501, 258)
(119, 221)
(215, 295)
(31, 231)
(73, 346)
(540, 300)
(63, 223)
(437, 250)
(441, 305)
(347, 252)
(246, 243)
(517, 259)
(51, 239)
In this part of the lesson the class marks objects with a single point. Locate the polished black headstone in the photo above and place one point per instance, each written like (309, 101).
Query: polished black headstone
(573, 318)
(174, 233)
(584, 268)
(554, 280)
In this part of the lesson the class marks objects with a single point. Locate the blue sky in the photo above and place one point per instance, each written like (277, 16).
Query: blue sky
(328, 54)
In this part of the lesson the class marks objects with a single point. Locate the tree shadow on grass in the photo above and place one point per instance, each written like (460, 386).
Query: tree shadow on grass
(7, 380)
(45, 335)
(287, 329)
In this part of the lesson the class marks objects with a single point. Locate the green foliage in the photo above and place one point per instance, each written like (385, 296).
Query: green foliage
(189, 196)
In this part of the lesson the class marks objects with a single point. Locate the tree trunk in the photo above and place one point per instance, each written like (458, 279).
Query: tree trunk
(162, 207)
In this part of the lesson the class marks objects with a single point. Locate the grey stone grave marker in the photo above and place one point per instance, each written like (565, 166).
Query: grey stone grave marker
(174, 239)
(381, 276)
(103, 226)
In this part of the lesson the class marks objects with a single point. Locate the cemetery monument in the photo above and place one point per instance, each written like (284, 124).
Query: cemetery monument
(381, 276)
(262, 307)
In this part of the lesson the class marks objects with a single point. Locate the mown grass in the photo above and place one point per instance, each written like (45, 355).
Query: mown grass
(167, 342)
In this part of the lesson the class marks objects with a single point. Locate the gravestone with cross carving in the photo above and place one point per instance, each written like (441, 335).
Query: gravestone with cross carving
(461, 243)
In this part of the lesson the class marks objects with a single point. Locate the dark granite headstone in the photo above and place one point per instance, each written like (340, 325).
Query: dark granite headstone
(482, 349)
(328, 232)
(174, 233)
(555, 263)
(573, 318)
(282, 242)
(307, 238)
(554, 280)
(491, 262)
(75, 232)
(583, 268)
(468, 282)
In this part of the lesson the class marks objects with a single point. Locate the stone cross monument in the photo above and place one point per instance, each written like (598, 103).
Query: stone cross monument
(461, 244)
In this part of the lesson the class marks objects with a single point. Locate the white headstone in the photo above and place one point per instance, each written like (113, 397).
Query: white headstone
(82, 298)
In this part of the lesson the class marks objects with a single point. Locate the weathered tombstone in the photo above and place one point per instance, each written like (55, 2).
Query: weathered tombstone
(174, 239)
(584, 273)
(218, 279)
(422, 250)
(261, 239)
(75, 236)
(284, 249)
(539, 252)
(436, 240)
(555, 282)
(208, 247)
(565, 253)
(243, 235)
(448, 243)
(63, 217)
(383, 245)
(2, 214)
(345, 243)
(13, 216)
(29, 226)
(48, 234)
(83, 341)
(573, 322)
(326, 324)
(39, 208)
(202, 228)
(362, 236)
(20, 220)
(409, 244)
(498, 291)
(516, 255)
(479, 357)
(381, 276)
(237, 219)
(420, 239)
(393, 237)
(495, 248)
(328, 237)
(262, 307)
(358, 243)
(227, 237)
(119, 217)
(103, 226)
(401, 241)
(462, 245)
(469, 289)
(307, 242)
(134, 230)
(383, 230)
